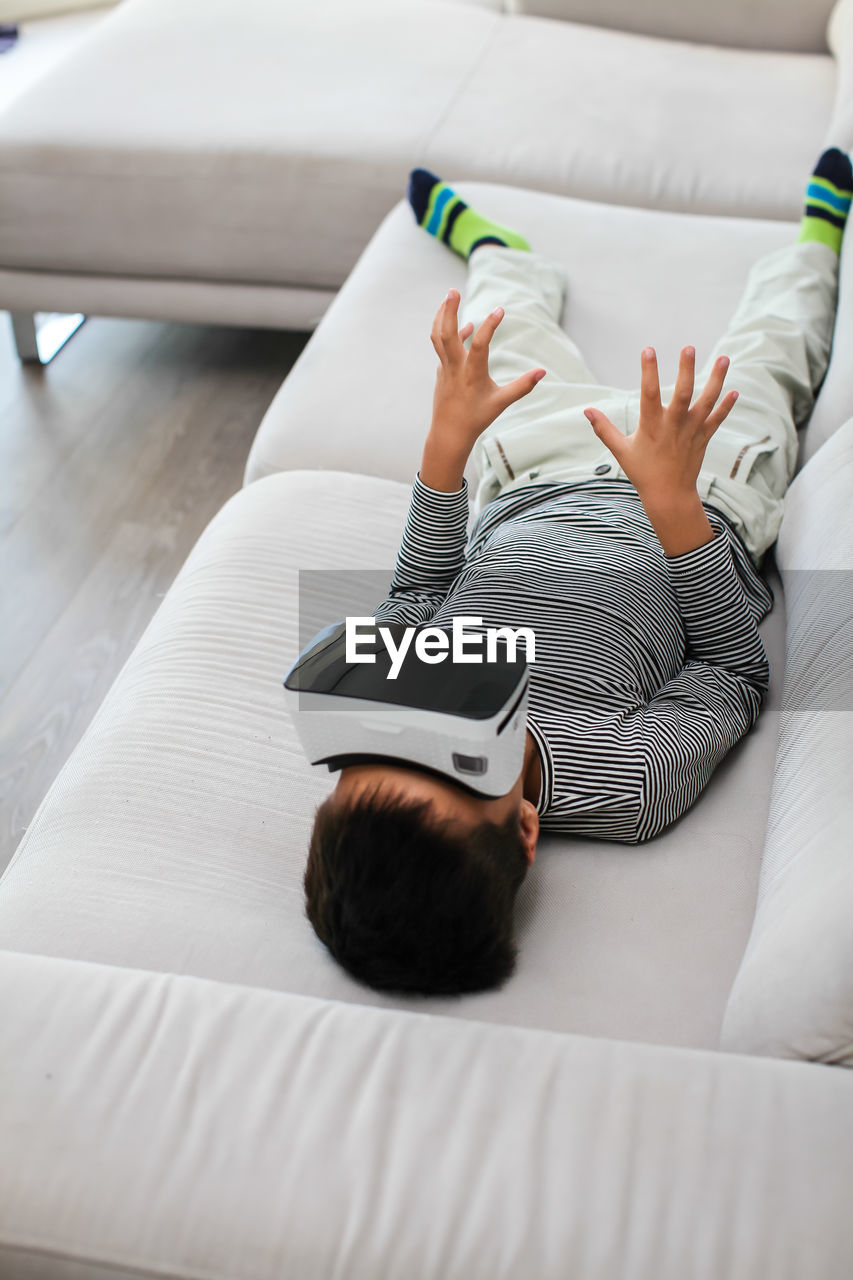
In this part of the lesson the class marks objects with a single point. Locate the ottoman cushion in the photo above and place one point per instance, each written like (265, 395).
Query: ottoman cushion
(238, 140)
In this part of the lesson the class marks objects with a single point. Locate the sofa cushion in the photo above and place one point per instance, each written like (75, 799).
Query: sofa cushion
(634, 277)
(32, 10)
(761, 24)
(156, 1127)
(265, 142)
(834, 403)
(176, 837)
(243, 141)
(793, 996)
(629, 119)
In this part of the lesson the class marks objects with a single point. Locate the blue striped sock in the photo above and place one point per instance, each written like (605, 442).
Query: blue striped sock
(828, 199)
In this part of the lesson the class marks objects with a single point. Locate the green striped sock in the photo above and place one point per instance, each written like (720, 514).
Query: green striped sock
(445, 215)
(828, 200)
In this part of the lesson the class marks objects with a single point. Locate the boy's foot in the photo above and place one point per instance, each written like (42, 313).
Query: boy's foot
(828, 199)
(441, 212)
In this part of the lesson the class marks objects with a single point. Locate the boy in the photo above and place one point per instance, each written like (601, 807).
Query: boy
(634, 556)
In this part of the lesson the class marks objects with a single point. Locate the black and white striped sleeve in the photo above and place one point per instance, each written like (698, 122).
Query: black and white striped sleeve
(687, 728)
(431, 555)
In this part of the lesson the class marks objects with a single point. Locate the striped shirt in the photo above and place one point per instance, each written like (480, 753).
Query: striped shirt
(648, 667)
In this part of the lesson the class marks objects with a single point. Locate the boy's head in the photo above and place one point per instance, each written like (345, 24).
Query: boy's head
(411, 881)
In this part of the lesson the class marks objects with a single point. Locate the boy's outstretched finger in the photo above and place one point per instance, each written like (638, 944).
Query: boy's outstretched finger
(449, 326)
(721, 412)
(684, 380)
(483, 336)
(711, 391)
(435, 333)
(519, 387)
(650, 383)
(607, 432)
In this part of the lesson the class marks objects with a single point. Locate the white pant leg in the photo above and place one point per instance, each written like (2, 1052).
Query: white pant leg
(544, 433)
(532, 290)
(778, 341)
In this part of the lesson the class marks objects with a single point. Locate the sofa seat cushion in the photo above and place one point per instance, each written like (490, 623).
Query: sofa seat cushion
(634, 276)
(260, 142)
(176, 837)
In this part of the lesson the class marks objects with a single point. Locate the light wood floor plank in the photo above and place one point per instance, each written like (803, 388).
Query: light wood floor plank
(112, 461)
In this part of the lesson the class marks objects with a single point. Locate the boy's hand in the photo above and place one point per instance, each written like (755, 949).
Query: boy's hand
(466, 399)
(663, 457)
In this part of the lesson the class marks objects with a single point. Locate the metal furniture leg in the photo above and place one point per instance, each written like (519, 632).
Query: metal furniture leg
(39, 336)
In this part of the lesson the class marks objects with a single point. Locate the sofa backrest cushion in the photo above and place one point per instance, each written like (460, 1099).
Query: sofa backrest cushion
(793, 995)
(796, 25)
(27, 10)
(834, 402)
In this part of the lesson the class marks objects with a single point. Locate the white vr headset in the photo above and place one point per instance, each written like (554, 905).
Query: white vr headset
(461, 720)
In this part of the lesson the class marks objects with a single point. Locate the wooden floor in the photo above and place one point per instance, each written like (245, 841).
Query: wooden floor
(112, 460)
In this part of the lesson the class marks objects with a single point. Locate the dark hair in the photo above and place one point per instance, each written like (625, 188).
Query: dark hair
(404, 905)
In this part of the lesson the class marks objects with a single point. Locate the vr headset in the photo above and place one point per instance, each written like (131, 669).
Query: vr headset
(461, 719)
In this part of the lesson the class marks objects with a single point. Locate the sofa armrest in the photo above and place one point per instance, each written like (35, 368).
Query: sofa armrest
(154, 1124)
(839, 38)
(793, 994)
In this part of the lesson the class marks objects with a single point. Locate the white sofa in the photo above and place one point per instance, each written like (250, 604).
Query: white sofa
(191, 1087)
(229, 162)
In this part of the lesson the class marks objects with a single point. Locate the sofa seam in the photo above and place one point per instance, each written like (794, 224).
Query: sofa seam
(465, 82)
